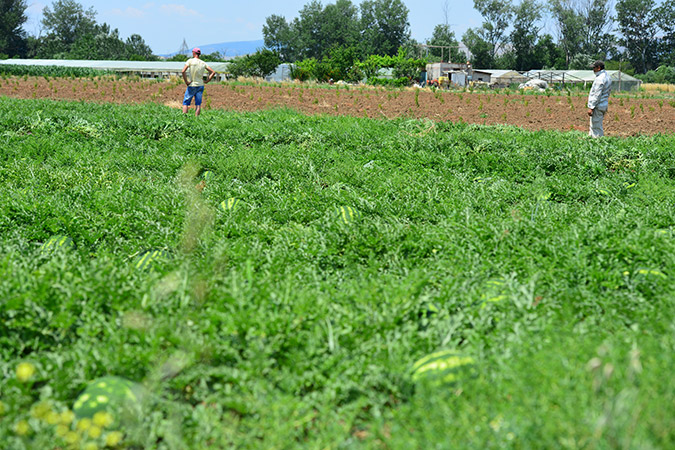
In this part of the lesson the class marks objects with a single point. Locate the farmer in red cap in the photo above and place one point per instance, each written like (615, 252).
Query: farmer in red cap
(193, 75)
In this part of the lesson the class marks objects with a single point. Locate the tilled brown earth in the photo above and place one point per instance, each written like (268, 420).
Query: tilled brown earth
(628, 115)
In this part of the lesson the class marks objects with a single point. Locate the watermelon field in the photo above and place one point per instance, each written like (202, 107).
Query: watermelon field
(276, 280)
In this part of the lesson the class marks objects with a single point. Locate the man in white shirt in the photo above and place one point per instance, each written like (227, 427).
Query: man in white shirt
(195, 82)
(598, 99)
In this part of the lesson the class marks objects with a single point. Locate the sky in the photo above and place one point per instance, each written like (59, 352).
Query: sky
(163, 26)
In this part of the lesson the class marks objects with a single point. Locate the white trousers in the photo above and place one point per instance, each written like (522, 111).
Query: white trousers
(596, 129)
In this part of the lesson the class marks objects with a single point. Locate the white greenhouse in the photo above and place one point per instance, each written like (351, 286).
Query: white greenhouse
(145, 69)
(620, 80)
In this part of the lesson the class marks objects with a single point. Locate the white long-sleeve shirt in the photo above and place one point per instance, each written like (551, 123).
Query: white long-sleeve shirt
(599, 95)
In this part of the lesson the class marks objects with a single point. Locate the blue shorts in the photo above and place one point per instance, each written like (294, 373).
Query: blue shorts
(193, 91)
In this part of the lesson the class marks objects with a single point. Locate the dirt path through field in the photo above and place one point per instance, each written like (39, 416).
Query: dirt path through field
(628, 115)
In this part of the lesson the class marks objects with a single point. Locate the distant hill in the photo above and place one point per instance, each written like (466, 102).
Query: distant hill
(229, 49)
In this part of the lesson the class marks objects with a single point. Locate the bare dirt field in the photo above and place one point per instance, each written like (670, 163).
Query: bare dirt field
(628, 115)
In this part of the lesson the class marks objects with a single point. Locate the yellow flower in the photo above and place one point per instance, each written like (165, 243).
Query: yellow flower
(25, 371)
(40, 410)
(90, 446)
(94, 432)
(113, 438)
(71, 437)
(84, 424)
(61, 430)
(67, 417)
(22, 428)
(52, 418)
(103, 419)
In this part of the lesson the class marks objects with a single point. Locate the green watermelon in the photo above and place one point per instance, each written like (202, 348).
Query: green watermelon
(58, 242)
(148, 257)
(208, 175)
(348, 214)
(230, 204)
(444, 367)
(114, 395)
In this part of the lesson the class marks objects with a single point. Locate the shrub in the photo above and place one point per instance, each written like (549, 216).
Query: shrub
(389, 82)
(259, 64)
(663, 74)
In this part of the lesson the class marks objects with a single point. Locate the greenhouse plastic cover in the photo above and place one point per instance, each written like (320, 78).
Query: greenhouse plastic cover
(119, 66)
(576, 75)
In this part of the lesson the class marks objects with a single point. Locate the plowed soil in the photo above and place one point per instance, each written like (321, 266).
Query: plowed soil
(628, 114)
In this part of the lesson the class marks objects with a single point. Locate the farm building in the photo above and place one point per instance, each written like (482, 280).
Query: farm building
(620, 81)
(437, 70)
(145, 69)
(500, 78)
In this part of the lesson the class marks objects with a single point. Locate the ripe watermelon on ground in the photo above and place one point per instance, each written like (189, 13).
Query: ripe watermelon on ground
(149, 257)
(208, 175)
(115, 395)
(230, 204)
(444, 367)
(347, 214)
(58, 242)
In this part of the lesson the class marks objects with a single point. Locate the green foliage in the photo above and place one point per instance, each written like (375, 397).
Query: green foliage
(178, 58)
(51, 71)
(304, 70)
(384, 26)
(482, 54)
(211, 57)
(12, 35)
(638, 25)
(376, 27)
(73, 33)
(486, 41)
(548, 259)
(581, 61)
(442, 35)
(389, 82)
(525, 34)
(663, 74)
(402, 65)
(259, 64)
(344, 65)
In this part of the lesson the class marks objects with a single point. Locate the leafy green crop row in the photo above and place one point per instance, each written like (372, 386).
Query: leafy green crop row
(276, 323)
(51, 71)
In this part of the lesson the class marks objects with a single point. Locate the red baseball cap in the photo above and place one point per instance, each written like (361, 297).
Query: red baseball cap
(196, 50)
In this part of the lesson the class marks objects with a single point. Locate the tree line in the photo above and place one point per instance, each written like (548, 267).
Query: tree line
(638, 34)
(70, 32)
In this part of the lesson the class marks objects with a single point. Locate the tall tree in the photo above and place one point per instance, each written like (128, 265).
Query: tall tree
(137, 49)
(597, 17)
(665, 19)
(384, 26)
(308, 27)
(67, 20)
(443, 36)
(570, 27)
(525, 33)
(12, 34)
(340, 24)
(637, 23)
(72, 32)
(482, 55)
(497, 16)
(279, 37)
(549, 55)
(102, 43)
